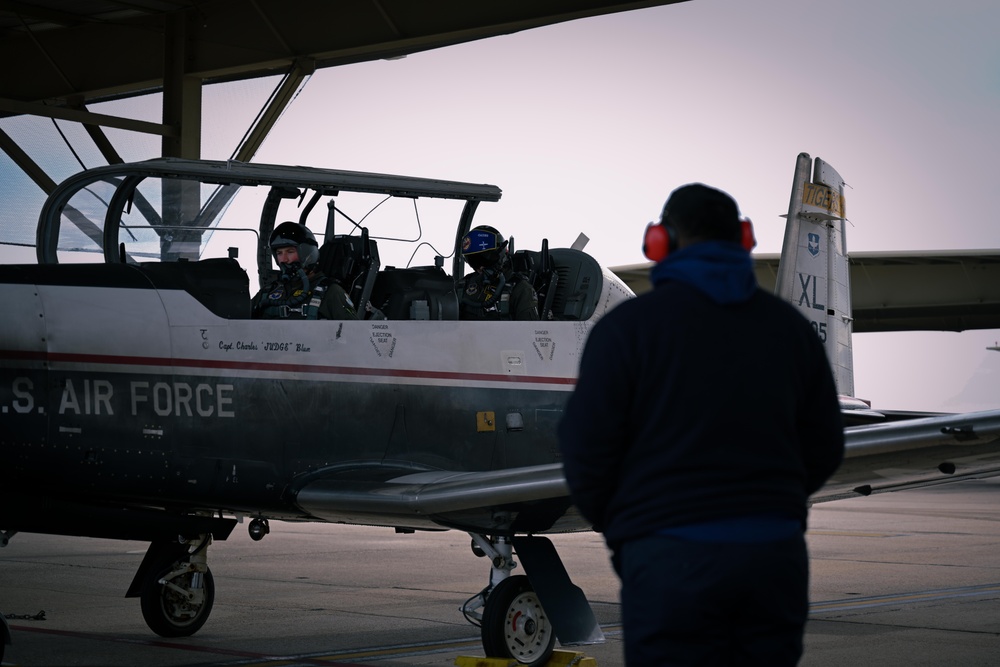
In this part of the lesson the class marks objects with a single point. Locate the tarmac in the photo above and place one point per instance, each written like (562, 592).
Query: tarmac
(907, 578)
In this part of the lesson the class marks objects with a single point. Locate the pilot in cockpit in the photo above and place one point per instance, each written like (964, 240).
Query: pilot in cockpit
(495, 291)
(302, 291)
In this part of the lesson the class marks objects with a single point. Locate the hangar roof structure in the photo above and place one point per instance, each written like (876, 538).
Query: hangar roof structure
(73, 52)
(99, 48)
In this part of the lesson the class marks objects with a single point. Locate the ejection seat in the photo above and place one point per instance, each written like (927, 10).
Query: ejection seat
(568, 282)
(353, 262)
(537, 268)
(416, 293)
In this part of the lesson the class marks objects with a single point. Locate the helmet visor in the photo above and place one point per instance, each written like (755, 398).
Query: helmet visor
(480, 248)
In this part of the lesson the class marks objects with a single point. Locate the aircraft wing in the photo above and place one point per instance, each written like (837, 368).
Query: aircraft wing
(533, 498)
(880, 457)
(916, 452)
(944, 290)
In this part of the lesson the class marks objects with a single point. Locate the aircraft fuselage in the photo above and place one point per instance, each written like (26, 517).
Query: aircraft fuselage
(117, 391)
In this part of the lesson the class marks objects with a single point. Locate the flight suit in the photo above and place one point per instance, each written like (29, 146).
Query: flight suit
(324, 300)
(479, 299)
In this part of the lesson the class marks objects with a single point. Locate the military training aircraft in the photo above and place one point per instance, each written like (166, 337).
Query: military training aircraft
(140, 401)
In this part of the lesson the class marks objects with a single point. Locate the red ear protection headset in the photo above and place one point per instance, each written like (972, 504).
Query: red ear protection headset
(747, 238)
(660, 239)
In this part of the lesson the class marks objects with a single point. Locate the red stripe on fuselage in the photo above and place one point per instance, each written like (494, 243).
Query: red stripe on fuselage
(54, 357)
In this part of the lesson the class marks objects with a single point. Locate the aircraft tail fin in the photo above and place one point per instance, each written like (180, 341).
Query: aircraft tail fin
(814, 272)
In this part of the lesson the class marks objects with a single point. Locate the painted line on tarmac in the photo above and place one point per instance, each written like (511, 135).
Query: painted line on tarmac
(369, 654)
(404, 650)
(260, 658)
(854, 533)
(394, 651)
(889, 600)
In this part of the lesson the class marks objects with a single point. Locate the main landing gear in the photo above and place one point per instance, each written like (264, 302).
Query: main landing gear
(512, 620)
(175, 587)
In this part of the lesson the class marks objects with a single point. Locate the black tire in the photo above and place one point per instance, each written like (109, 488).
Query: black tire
(515, 625)
(169, 614)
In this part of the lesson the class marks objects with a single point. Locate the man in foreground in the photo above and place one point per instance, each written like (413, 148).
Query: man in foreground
(704, 416)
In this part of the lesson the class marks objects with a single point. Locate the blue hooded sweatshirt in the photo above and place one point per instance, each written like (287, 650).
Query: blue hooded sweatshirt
(705, 409)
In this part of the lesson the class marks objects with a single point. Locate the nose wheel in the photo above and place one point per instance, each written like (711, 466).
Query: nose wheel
(514, 624)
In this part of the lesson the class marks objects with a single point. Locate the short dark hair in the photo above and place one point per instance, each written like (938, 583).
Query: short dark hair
(698, 211)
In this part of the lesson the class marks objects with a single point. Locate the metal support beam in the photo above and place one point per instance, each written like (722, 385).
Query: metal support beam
(269, 116)
(181, 93)
(27, 165)
(97, 135)
(78, 116)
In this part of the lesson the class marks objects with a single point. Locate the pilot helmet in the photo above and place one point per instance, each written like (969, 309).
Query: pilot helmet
(293, 234)
(484, 247)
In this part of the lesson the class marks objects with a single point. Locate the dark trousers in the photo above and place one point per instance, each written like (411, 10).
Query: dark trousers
(693, 603)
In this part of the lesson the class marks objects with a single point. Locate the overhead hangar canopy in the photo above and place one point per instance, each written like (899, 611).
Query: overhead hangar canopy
(71, 52)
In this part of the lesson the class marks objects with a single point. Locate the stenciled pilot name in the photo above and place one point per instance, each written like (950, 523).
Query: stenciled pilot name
(263, 346)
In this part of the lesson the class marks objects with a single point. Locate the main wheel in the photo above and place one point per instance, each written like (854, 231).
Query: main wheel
(170, 613)
(515, 625)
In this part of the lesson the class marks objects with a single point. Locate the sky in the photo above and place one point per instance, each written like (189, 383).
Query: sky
(588, 125)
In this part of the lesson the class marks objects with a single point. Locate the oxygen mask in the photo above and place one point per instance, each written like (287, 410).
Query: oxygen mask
(291, 270)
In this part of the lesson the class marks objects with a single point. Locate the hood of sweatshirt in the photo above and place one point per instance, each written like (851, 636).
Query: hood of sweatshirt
(721, 269)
